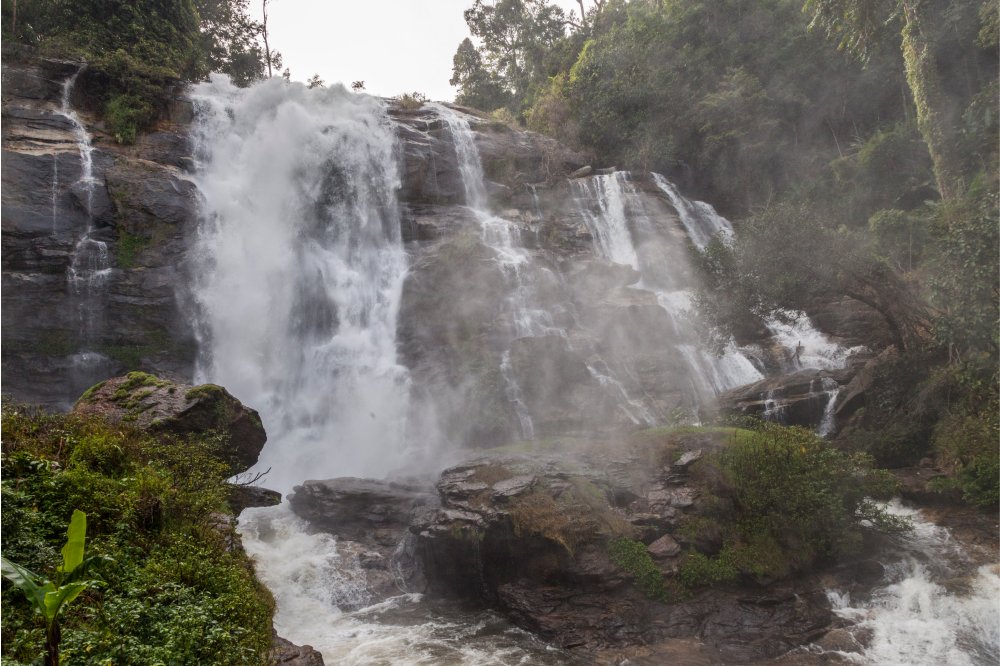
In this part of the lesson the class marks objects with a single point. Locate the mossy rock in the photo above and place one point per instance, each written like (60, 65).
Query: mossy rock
(161, 406)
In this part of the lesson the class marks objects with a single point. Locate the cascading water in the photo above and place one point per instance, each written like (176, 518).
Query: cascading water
(299, 268)
(832, 389)
(297, 276)
(807, 347)
(699, 218)
(90, 265)
(935, 606)
(610, 207)
(501, 236)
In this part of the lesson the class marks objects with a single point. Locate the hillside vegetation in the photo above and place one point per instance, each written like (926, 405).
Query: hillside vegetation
(178, 588)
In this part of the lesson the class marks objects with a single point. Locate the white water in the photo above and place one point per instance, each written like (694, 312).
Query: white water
(610, 207)
(90, 264)
(827, 423)
(699, 218)
(934, 609)
(298, 268)
(322, 600)
(808, 347)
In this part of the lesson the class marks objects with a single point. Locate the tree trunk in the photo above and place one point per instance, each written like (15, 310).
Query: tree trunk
(935, 118)
(904, 312)
(267, 48)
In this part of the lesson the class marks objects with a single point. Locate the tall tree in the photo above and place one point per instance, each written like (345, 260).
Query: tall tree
(859, 24)
(515, 36)
(478, 86)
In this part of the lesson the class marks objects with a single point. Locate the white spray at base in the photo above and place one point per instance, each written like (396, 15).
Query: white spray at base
(936, 608)
(320, 591)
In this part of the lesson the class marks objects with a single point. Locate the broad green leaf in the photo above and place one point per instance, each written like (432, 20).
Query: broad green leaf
(76, 534)
(55, 599)
(32, 585)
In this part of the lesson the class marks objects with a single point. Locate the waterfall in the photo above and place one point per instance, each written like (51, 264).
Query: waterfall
(297, 272)
(503, 237)
(611, 209)
(806, 346)
(699, 218)
(513, 392)
(89, 265)
(298, 269)
(934, 607)
(832, 389)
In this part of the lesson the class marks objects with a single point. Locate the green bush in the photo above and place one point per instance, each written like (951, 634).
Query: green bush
(126, 115)
(814, 501)
(698, 570)
(632, 557)
(176, 593)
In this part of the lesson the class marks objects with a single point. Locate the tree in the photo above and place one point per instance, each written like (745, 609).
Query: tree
(230, 40)
(478, 87)
(263, 32)
(858, 25)
(50, 597)
(787, 258)
(515, 37)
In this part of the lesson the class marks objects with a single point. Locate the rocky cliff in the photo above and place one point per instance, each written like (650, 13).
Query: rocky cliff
(96, 238)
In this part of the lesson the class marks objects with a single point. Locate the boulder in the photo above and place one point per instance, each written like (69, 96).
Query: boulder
(801, 398)
(358, 509)
(162, 406)
(286, 653)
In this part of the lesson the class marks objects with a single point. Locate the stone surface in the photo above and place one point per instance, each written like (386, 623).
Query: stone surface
(162, 406)
(372, 521)
(286, 653)
(664, 547)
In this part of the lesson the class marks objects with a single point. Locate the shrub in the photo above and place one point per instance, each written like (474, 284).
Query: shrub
(814, 501)
(177, 591)
(632, 557)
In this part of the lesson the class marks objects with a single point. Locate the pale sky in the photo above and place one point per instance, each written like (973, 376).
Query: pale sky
(394, 46)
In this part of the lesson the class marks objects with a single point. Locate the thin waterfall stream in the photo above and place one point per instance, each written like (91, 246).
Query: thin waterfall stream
(90, 265)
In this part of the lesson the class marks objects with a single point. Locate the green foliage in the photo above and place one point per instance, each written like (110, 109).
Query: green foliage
(516, 38)
(783, 501)
(792, 486)
(177, 591)
(136, 48)
(965, 438)
(698, 570)
(48, 597)
(411, 101)
(632, 557)
(125, 115)
(966, 274)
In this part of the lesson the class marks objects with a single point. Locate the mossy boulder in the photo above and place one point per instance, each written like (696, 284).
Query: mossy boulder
(162, 406)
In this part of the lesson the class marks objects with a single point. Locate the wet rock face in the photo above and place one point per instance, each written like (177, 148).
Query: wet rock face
(139, 206)
(162, 406)
(286, 653)
(372, 522)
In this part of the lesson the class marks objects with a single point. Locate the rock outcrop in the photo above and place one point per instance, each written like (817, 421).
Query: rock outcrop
(533, 534)
(162, 406)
